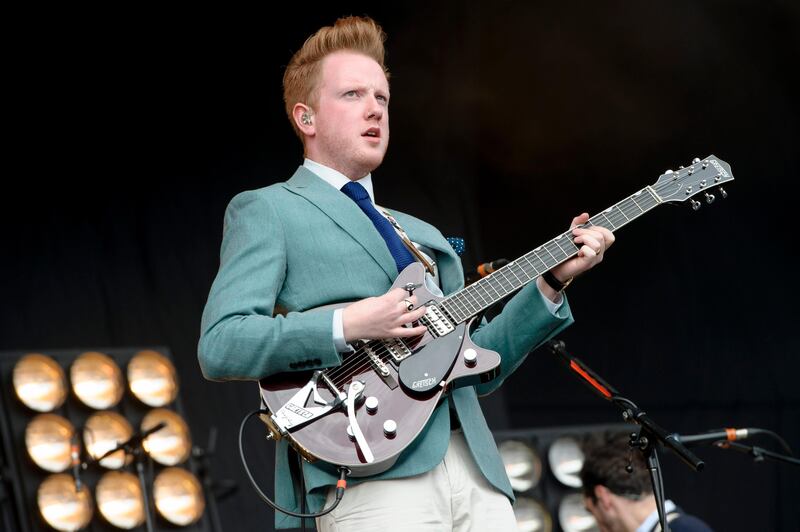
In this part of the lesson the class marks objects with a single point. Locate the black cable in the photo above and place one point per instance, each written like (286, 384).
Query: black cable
(340, 486)
(774, 435)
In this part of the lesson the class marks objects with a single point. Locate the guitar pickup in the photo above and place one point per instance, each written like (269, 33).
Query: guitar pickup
(377, 364)
(436, 322)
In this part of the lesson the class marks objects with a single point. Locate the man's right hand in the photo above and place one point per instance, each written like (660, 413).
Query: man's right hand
(382, 317)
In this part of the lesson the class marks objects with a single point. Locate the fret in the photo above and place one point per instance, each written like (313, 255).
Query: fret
(477, 297)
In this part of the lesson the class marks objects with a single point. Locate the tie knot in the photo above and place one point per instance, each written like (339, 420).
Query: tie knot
(355, 191)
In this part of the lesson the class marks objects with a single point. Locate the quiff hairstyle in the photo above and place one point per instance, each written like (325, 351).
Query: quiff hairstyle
(301, 78)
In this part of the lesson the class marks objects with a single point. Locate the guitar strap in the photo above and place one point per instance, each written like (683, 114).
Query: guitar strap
(428, 263)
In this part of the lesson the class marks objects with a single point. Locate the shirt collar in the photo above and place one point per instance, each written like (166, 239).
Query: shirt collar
(648, 524)
(337, 179)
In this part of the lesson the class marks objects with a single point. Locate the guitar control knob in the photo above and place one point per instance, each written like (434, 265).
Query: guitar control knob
(390, 428)
(350, 433)
(371, 404)
(470, 357)
(710, 198)
(695, 205)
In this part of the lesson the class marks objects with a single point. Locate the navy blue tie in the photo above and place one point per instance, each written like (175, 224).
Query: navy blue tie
(402, 257)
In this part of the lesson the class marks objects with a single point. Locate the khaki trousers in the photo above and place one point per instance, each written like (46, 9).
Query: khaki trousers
(453, 496)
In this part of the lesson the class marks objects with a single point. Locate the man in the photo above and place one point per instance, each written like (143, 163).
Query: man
(317, 239)
(618, 492)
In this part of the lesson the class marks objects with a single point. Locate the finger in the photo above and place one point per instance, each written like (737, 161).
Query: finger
(587, 252)
(580, 219)
(592, 242)
(608, 236)
(406, 332)
(408, 303)
(411, 316)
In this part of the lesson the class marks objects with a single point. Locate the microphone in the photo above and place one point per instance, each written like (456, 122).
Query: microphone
(485, 269)
(76, 462)
(730, 434)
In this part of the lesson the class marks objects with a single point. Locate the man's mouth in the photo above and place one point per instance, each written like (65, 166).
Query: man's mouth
(374, 132)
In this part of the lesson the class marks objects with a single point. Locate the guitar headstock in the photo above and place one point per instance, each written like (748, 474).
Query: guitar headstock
(702, 177)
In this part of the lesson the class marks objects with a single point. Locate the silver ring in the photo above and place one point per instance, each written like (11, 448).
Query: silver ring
(409, 304)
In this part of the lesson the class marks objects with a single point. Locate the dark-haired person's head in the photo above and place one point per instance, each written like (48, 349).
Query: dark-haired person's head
(617, 489)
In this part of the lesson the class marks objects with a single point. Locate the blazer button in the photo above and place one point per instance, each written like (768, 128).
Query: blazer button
(317, 362)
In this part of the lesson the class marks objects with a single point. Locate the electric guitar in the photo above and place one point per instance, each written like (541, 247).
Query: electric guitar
(363, 413)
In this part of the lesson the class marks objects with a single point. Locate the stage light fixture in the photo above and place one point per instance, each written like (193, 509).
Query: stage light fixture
(172, 444)
(573, 515)
(61, 506)
(119, 499)
(39, 382)
(48, 439)
(566, 460)
(532, 516)
(96, 380)
(523, 465)
(101, 433)
(152, 378)
(178, 496)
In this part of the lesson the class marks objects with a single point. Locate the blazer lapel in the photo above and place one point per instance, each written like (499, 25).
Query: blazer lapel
(345, 213)
(451, 274)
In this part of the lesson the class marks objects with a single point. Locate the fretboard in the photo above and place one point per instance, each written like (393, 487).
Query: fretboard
(482, 294)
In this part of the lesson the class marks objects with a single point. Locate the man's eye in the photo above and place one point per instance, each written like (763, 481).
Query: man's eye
(351, 93)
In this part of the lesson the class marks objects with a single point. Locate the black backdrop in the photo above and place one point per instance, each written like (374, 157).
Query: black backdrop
(131, 130)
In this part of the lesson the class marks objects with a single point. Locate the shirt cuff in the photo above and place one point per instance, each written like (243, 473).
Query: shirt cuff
(551, 307)
(339, 342)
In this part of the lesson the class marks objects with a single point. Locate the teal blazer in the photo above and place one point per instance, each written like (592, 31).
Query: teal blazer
(302, 244)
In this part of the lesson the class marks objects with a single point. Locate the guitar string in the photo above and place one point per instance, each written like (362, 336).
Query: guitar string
(612, 215)
(363, 363)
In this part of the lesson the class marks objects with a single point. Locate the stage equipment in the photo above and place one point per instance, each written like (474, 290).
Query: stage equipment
(532, 516)
(152, 378)
(96, 380)
(102, 432)
(61, 505)
(572, 515)
(119, 499)
(39, 382)
(179, 496)
(566, 460)
(67, 417)
(548, 488)
(172, 444)
(523, 465)
(48, 439)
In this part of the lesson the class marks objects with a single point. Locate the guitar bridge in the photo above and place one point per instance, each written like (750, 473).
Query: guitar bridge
(437, 323)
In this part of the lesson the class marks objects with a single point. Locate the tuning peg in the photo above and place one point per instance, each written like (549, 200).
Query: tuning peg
(710, 198)
(696, 160)
(695, 205)
(723, 193)
(705, 165)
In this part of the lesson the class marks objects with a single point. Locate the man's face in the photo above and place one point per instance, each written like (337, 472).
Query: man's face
(351, 119)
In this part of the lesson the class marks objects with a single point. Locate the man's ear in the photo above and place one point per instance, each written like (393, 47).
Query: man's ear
(603, 496)
(303, 117)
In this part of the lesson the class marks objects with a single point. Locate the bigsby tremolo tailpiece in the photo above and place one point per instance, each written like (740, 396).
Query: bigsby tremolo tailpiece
(294, 414)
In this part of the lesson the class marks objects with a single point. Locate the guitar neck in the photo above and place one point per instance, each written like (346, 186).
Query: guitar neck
(479, 296)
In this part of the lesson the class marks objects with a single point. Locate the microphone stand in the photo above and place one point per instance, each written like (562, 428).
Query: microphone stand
(758, 453)
(134, 447)
(649, 434)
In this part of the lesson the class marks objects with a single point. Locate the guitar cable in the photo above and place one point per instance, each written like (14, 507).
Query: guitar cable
(341, 485)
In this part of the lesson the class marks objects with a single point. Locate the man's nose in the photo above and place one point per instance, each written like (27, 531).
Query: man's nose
(374, 109)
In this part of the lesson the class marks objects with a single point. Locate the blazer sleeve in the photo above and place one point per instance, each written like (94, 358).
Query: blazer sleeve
(240, 339)
(524, 324)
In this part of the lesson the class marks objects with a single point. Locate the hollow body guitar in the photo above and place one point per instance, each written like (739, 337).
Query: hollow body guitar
(364, 413)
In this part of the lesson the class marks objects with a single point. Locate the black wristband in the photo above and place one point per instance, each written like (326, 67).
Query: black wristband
(554, 283)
